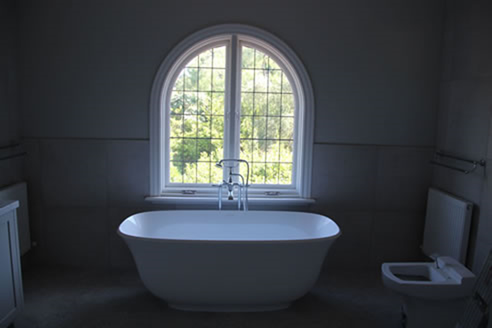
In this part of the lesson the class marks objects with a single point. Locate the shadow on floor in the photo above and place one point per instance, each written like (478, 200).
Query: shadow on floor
(56, 298)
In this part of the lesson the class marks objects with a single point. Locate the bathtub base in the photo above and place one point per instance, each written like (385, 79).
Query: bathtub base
(229, 308)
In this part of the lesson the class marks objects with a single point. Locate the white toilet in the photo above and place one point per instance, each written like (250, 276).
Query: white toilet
(434, 292)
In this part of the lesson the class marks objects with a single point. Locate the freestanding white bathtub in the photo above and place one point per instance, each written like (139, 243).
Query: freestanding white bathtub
(228, 260)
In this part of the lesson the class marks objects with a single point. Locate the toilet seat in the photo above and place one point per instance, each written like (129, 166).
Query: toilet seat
(444, 279)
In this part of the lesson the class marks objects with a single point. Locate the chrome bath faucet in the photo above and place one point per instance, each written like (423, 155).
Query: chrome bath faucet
(230, 184)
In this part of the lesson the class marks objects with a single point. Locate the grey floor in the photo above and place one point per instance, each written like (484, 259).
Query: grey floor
(70, 298)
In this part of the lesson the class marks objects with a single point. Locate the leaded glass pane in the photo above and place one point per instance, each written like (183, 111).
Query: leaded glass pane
(203, 172)
(267, 121)
(247, 103)
(217, 152)
(219, 60)
(261, 60)
(217, 130)
(260, 104)
(274, 104)
(218, 103)
(176, 149)
(177, 100)
(247, 80)
(189, 126)
(190, 78)
(287, 128)
(205, 79)
(248, 57)
(287, 105)
(218, 79)
(196, 119)
(261, 80)
(176, 122)
(272, 151)
(189, 175)
(246, 130)
(273, 128)
(205, 59)
(275, 80)
(271, 173)
(285, 173)
(176, 170)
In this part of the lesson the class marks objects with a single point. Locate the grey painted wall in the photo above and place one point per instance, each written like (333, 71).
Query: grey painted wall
(10, 169)
(87, 69)
(465, 114)
(374, 65)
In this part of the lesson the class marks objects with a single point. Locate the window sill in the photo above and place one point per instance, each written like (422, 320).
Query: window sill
(197, 200)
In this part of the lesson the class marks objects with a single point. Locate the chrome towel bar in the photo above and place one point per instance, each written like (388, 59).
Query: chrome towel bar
(9, 149)
(474, 163)
(14, 145)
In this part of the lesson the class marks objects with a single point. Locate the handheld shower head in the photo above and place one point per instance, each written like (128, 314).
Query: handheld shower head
(229, 163)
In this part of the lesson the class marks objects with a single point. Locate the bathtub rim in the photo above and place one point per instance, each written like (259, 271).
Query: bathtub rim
(227, 241)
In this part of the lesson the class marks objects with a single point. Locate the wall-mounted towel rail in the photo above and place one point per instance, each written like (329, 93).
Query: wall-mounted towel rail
(474, 163)
(6, 151)
(14, 145)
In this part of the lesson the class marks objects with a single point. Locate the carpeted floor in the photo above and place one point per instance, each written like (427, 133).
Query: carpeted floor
(57, 298)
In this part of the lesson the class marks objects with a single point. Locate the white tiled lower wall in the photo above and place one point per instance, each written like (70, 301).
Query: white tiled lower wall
(378, 195)
(83, 189)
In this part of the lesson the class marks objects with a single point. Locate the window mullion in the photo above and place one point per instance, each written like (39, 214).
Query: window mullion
(231, 135)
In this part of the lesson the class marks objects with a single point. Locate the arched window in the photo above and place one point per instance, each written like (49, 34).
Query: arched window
(231, 91)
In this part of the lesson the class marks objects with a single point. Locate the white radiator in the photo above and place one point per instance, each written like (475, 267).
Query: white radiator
(18, 192)
(447, 225)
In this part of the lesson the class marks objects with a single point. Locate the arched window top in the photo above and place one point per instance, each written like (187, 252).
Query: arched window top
(231, 91)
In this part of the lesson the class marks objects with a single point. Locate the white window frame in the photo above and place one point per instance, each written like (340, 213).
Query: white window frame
(235, 35)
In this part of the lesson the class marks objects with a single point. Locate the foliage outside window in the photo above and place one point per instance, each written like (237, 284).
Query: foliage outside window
(197, 109)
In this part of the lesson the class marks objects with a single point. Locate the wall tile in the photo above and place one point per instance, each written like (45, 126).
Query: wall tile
(32, 174)
(485, 225)
(489, 150)
(344, 177)
(448, 45)
(404, 176)
(481, 254)
(32, 171)
(119, 254)
(483, 237)
(74, 173)
(397, 237)
(472, 46)
(76, 236)
(468, 119)
(353, 248)
(443, 115)
(128, 172)
(467, 186)
(9, 113)
(10, 171)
